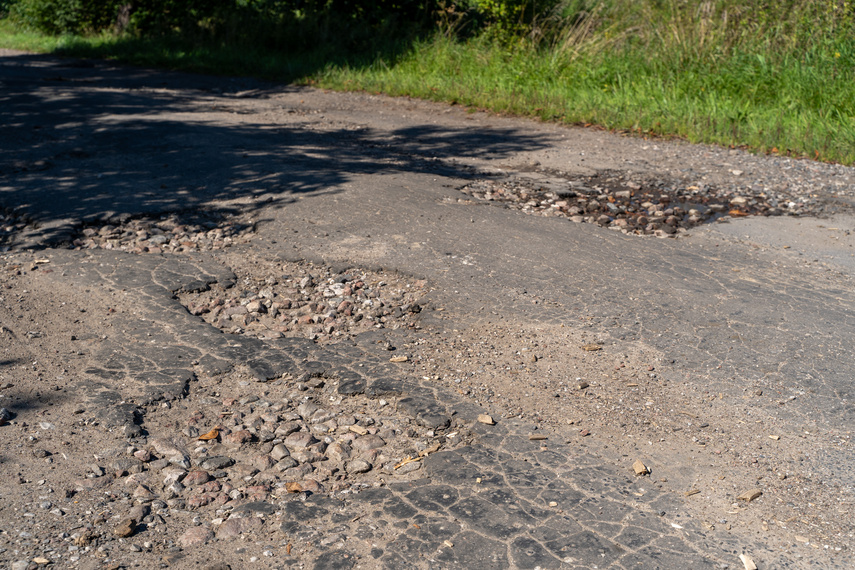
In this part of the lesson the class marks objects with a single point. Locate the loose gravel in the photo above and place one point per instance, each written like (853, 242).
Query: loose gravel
(645, 205)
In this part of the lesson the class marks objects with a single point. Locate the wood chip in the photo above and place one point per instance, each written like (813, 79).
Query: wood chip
(775, 437)
(213, 434)
(407, 460)
(399, 359)
(432, 449)
(448, 543)
(640, 468)
(486, 419)
(288, 549)
(592, 347)
(359, 430)
(749, 496)
(537, 437)
(747, 562)
(692, 492)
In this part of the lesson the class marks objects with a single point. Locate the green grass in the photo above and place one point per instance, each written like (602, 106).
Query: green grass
(779, 79)
(169, 53)
(804, 106)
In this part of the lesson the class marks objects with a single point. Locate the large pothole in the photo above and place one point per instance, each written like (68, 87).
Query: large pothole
(638, 205)
(273, 298)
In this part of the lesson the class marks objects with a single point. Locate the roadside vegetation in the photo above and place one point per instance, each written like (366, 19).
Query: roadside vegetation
(775, 77)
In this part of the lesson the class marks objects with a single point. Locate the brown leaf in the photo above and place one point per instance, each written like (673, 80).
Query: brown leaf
(737, 214)
(213, 434)
(293, 487)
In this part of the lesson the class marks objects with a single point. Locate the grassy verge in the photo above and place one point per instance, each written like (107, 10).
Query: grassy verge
(777, 80)
(803, 106)
(170, 53)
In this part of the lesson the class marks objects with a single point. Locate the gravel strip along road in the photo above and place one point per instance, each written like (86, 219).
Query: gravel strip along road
(251, 325)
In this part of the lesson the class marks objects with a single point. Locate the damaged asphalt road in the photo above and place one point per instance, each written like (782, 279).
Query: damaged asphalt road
(254, 325)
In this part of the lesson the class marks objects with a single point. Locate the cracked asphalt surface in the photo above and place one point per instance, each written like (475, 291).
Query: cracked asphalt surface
(739, 335)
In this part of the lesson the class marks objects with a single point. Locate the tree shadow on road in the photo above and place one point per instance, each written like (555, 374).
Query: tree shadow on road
(89, 141)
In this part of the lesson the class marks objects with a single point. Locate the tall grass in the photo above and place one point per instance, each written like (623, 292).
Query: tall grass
(771, 76)
(777, 78)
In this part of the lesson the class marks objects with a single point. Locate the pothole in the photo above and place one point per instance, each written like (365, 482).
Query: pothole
(273, 298)
(288, 437)
(664, 208)
(173, 233)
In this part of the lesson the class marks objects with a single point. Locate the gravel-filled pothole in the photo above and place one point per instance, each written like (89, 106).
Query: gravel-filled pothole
(274, 298)
(639, 206)
(173, 233)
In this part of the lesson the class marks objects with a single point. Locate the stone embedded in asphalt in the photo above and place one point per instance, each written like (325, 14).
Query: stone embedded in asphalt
(236, 526)
(368, 442)
(125, 528)
(338, 451)
(358, 466)
(195, 536)
(279, 451)
(173, 474)
(139, 512)
(299, 440)
(237, 438)
(217, 462)
(306, 409)
(307, 455)
(172, 451)
(196, 477)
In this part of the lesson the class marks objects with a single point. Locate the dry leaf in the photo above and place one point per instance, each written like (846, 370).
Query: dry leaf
(288, 549)
(293, 487)
(592, 347)
(213, 434)
(737, 214)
